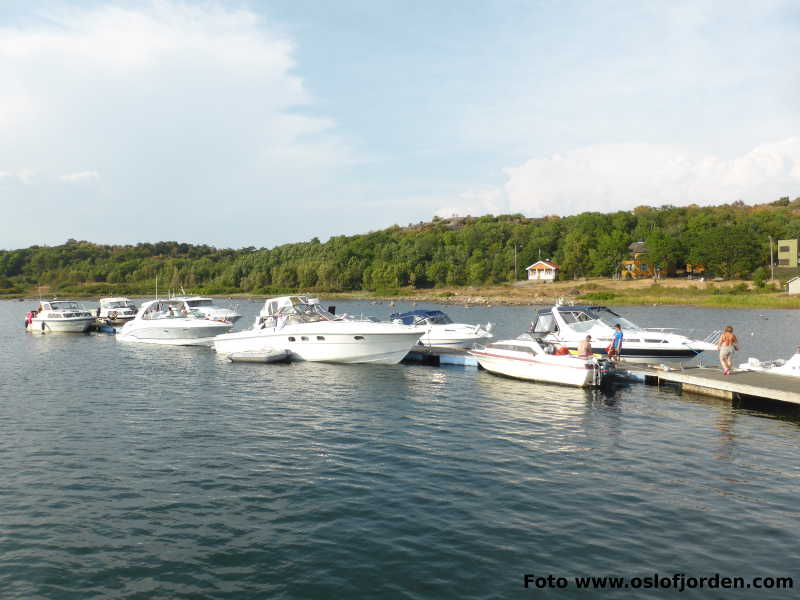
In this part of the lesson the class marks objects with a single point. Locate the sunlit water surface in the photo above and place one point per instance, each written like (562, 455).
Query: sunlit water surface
(136, 471)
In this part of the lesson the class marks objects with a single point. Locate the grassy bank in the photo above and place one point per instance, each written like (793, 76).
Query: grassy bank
(681, 292)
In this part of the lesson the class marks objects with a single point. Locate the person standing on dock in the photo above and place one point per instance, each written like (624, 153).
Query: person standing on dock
(727, 345)
(615, 348)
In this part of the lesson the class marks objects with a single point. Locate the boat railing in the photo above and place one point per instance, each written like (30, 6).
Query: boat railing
(713, 337)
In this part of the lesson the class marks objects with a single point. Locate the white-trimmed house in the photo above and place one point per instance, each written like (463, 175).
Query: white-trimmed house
(793, 285)
(542, 270)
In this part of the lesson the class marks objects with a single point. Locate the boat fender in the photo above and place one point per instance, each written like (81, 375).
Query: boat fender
(561, 351)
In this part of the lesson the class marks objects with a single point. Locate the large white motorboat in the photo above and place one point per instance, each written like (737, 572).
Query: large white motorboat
(301, 326)
(116, 310)
(172, 322)
(209, 308)
(59, 316)
(568, 325)
(526, 358)
(440, 331)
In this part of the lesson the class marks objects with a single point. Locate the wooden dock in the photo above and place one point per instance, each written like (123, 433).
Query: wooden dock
(711, 382)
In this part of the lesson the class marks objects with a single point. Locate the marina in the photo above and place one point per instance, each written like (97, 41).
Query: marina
(386, 475)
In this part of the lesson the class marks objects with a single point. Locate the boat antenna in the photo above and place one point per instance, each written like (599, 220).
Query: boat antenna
(156, 298)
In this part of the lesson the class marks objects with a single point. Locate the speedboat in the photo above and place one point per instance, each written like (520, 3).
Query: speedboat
(441, 331)
(172, 322)
(300, 325)
(64, 316)
(116, 310)
(789, 367)
(568, 325)
(207, 307)
(529, 358)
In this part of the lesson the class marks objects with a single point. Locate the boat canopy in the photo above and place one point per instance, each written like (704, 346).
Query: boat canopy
(300, 307)
(579, 318)
(434, 317)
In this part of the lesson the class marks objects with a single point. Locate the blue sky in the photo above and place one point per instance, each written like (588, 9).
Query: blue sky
(255, 123)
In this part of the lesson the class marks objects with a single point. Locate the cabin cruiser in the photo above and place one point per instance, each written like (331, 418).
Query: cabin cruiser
(172, 322)
(116, 310)
(568, 325)
(527, 357)
(63, 316)
(789, 367)
(207, 307)
(300, 325)
(441, 331)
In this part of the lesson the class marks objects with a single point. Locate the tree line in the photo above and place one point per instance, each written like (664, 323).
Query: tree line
(731, 240)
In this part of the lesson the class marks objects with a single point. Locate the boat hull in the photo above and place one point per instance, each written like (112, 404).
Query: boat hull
(344, 347)
(540, 369)
(77, 325)
(173, 334)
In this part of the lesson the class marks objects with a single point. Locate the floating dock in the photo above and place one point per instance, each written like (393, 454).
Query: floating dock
(711, 382)
(437, 356)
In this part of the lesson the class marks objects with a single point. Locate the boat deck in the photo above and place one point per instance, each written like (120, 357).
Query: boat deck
(711, 382)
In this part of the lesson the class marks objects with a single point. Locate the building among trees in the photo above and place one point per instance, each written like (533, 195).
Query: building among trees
(542, 270)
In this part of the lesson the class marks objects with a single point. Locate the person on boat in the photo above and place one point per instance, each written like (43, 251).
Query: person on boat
(727, 345)
(615, 348)
(585, 347)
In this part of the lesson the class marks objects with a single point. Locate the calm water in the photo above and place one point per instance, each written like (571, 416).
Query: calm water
(134, 471)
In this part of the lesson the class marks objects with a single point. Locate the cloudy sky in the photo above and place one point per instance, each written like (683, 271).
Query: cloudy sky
(254, 123)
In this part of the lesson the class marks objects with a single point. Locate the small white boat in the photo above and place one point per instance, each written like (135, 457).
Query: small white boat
(309, 332)
(116, 311)
(441, 331)
(172, 322)
(59, 316)
(566, 326)
(527, 358)
(209, 308)
(789, 367)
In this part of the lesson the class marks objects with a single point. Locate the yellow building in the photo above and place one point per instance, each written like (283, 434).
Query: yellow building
(787, 253)
(637, 266)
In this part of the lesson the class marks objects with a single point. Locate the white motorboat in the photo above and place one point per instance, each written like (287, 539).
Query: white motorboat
(117, 310)
(209, 308)
(301, 326)
(527, 358)
(441, 331)
(59, 316)
(568, 325)
(789, 367)
(172, 322)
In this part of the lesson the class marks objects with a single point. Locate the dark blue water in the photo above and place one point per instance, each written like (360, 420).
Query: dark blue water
(136, 471)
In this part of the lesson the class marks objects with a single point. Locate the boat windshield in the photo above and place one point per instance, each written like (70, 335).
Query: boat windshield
(118, 304)
(611, 318)
(303, 312)
(197, 303)
(439, 320)
(63, 305)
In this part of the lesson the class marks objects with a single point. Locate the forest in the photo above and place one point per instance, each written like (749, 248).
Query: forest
(731, 241)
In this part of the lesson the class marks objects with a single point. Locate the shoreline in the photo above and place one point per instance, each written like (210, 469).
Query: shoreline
(677, 292)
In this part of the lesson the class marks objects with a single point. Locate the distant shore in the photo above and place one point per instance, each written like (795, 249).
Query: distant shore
(679, 292)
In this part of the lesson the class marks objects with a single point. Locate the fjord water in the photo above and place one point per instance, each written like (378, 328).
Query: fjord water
(137, 471)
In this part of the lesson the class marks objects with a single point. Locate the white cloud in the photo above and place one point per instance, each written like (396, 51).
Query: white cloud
(610, 177)
(80, 177)
(170, 101)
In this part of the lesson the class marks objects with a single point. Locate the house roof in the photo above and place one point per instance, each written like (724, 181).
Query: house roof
(542, 265)
(638, 247)
(792, 279)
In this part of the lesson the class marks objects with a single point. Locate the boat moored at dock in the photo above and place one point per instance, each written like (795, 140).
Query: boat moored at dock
(172, 322)
(59, 316)
(568, 325)
(309, 332)
(116, 311)
(209, 308)
(529, 358)
(441, 332)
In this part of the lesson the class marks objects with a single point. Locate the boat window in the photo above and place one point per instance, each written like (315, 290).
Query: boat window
(611, 318)
(569, 317)
(631, 340)
(53, 316)
(321, 338)
(655, 341)
(291, 338)
(440, 320)
(205, 302)
(117, 304)
(303, 338)
(358, 337)
(544, 324)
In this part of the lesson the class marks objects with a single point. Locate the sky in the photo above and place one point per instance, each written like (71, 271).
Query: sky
(257, 123)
